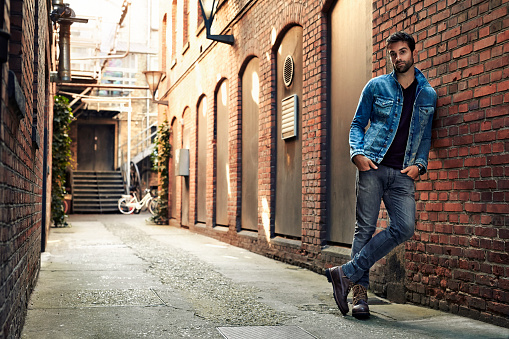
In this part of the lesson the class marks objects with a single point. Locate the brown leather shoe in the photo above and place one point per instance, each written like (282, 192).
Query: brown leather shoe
(340, 285)
(360, 309)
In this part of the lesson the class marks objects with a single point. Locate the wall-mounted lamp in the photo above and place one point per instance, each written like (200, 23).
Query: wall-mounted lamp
(153, 81)
(208, 10)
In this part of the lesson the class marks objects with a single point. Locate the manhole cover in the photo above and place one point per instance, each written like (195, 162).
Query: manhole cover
(264, 332)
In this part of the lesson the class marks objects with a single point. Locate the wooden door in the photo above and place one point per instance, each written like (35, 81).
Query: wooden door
(96, 147)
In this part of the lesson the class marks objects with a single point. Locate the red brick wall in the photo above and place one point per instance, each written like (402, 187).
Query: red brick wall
(461, 201)
(457, 260)
(192, 80)
(21, 161)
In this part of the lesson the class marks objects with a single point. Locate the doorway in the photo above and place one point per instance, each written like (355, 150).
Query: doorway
(186, 144)
(350, 64)
(288, 221)
(96, 147)
(173, 191)
(222, 165)
(250, 127)
(201, 176)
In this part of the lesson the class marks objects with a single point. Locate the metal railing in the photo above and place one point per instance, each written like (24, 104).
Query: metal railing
(141, 146)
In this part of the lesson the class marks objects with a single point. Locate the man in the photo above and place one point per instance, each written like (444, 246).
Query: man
(389, 156)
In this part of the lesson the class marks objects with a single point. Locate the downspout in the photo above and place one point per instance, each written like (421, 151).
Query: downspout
(65, 17)
(4, 35)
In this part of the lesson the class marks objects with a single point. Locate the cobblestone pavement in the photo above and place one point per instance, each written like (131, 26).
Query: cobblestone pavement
(116, 276)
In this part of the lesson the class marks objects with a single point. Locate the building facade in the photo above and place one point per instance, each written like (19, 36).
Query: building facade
(112, 49)
(25, 152)
(266, 121)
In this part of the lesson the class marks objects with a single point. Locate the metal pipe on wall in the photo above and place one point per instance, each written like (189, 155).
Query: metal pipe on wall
(64, 43)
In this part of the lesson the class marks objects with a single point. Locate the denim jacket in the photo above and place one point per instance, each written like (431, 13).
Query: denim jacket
(380, 105)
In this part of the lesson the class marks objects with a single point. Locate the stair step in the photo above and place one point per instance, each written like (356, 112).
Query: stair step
(97, 192)
(99, 188)
(89, 201)
(96, 211)
(88, 180)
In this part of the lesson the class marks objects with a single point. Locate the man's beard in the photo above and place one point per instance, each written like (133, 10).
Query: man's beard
(403, 67)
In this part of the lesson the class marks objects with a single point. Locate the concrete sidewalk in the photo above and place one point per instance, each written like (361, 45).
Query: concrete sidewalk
(115, 276)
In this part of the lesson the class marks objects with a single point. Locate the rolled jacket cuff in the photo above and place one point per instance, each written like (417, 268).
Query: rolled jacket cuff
(354, 153)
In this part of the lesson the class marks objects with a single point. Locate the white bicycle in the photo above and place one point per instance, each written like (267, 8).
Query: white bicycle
(129, 204)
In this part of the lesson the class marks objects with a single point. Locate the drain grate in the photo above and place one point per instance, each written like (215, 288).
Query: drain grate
(264, 332)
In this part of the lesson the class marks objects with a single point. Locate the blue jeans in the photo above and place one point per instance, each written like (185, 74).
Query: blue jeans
(397, 192)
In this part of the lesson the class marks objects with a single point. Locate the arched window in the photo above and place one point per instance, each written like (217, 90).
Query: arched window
(164, 43)
(174, 29)
(185, 24)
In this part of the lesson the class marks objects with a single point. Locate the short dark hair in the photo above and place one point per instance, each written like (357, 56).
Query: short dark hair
(402, 36)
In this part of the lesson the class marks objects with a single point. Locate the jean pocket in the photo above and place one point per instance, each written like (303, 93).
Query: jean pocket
(366, 171)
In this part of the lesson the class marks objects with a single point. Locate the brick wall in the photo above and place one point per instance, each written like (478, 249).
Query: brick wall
(457, 260)
(457, 256)
(193, 81)
(21, 160)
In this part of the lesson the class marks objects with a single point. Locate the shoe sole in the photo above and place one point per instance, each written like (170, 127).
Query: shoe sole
(329, 279)
(362, 315)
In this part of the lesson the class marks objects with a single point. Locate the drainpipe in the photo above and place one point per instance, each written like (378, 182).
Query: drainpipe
(65, 17)
(64, 43)
(4, 35)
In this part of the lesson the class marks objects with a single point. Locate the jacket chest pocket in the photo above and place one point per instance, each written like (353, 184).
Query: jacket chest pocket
(425, 113)
(382, 107)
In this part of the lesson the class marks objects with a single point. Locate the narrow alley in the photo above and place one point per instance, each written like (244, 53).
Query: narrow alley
(117, 276)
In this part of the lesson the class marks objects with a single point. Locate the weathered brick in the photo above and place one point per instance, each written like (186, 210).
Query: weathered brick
(22, 168)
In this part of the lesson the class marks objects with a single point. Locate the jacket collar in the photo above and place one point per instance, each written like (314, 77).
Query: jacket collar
(421, 79)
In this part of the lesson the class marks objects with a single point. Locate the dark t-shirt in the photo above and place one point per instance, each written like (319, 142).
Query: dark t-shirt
(396, 152)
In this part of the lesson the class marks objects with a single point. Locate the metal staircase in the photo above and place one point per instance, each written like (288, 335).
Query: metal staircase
(96, 192)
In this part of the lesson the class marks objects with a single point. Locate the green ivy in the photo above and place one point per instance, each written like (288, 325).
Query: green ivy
(62, 118)
(161, 160)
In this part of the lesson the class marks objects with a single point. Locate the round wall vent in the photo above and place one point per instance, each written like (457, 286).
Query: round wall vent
(288, 71)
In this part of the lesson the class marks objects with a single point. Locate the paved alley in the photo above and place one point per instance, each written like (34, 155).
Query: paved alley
(117, 276)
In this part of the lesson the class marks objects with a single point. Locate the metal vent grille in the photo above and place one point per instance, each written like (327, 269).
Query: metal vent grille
(289, 117)
(288, 71)
(264, 332)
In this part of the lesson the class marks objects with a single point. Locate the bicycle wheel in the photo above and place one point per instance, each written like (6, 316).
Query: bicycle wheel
(153, 206)
(123, 208)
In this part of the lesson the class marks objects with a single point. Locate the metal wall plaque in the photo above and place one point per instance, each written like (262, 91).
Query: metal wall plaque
(182, 162)
(289, 113)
